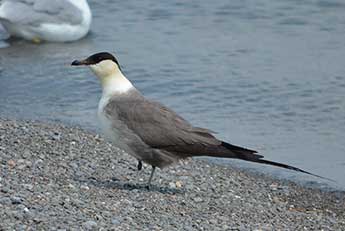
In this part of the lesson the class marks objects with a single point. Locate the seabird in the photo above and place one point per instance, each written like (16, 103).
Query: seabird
(47, 20)
(3, 33)
(150, 131)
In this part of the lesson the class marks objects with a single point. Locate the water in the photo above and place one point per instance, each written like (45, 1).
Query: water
(268, 75)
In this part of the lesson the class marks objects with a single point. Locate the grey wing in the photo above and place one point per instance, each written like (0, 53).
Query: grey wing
(36, 12)
(161, 128)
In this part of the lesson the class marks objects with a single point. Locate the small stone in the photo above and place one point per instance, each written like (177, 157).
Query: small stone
(98, 138)
(115, 221)
(198, 199)
(178, 184)
(11, 163)
(18, 215)
(225, 227)
(276, 200)
(38, 219)
(84, 187)
(22, 227)
(77, 203)
(213, 221)
(55, 136)
(5, 201)
(74, 166)
(4, 190)
(39, 161)
(26, 153)
(274, 186)
(21, 167)
(172, 185)
(90, 225)
(24, 209)
(28, 186)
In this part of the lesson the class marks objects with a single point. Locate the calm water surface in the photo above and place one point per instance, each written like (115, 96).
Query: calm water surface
(268, 75)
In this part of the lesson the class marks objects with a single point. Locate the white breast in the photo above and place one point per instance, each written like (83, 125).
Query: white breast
(106, 125)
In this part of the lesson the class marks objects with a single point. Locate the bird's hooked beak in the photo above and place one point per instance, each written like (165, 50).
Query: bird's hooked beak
(80, 62)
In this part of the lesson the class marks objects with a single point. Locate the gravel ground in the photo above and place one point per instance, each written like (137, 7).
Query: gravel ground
(55, 177)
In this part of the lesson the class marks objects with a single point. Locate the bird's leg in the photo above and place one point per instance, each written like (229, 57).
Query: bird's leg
(151, 176)
(140, 165)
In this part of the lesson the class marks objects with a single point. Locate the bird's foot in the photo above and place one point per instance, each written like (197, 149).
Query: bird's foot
(148, 186)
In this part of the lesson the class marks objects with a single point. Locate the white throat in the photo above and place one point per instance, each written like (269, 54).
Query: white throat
(114, 84)
(111, 78)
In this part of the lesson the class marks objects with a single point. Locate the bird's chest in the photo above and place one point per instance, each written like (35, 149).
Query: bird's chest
(115, 130)
(108, 122)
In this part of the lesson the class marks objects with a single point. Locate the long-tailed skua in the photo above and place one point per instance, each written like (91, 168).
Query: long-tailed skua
(150, 131)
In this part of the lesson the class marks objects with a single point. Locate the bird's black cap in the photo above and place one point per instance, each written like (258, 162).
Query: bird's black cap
(96, 58)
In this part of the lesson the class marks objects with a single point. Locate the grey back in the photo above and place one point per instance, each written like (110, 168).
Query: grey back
(159, 127)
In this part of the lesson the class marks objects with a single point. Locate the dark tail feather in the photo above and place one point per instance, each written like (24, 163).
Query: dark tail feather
(290, 167)
(249, 155)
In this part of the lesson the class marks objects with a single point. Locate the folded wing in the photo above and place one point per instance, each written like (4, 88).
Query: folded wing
(161, 128)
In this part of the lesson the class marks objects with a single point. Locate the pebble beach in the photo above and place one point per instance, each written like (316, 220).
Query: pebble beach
(58, 177)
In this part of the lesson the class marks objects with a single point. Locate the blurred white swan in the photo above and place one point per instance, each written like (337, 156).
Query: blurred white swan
(3, 33)
(48, 20)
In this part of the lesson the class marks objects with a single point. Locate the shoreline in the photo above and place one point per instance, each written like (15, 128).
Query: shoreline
(60, 177)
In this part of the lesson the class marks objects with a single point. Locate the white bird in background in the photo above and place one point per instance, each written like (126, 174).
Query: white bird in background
(3, 33)
(46, 20)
